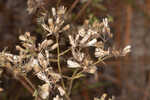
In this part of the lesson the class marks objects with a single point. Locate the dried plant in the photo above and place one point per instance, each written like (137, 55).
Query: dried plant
(104, 96)
(47, 59)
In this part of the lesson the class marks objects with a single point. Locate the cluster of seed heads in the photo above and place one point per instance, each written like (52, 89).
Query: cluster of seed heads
(42, 58)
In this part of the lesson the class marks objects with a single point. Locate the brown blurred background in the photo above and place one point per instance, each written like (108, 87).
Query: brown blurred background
(126, 78)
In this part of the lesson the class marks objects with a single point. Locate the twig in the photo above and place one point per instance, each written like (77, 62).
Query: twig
(102, 60)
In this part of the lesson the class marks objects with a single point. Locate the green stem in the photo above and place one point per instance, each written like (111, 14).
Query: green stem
(102, 60)
(65, 52)
(71, 82)
(59, 68)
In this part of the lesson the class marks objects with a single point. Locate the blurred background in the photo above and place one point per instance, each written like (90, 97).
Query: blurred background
(126, 78)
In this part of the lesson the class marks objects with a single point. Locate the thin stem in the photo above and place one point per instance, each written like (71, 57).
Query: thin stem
(58, 57)
(66, 51)
(99, 60)
(71, 82)
(69, 78)
(102, 60)
(59, 68)
(80, 72)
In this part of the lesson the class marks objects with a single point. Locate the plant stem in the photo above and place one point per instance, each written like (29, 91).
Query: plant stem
(102, 60)
(59, 68)
(65, 52)
(71, 82)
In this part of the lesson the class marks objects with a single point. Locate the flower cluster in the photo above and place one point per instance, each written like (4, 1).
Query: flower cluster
(42, 58)
(55, 23)
(87, 36)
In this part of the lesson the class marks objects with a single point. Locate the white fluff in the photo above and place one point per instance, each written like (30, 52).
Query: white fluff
(73, 64)
(92, 42)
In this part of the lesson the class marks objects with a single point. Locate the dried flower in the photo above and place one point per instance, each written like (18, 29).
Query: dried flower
(126, 50)
(55, 23)
(61, 91)
(99, 52)
(102, 97)
(43, 58)
(81, 32)
(57, 98)
(105, 22)
(22, 37)
(91, 69)
(54, 46)
(73, 64)
(44, 91)
(91, 43)
(72, 41)
(55, 76)
(54, 11)
(78, 55)
(85, 38)
(42, 76)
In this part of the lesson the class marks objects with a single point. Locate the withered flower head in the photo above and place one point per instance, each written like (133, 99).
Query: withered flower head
(44, 91)
(126, 50)
(61, 91)
(57, 98)
(55, 22)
